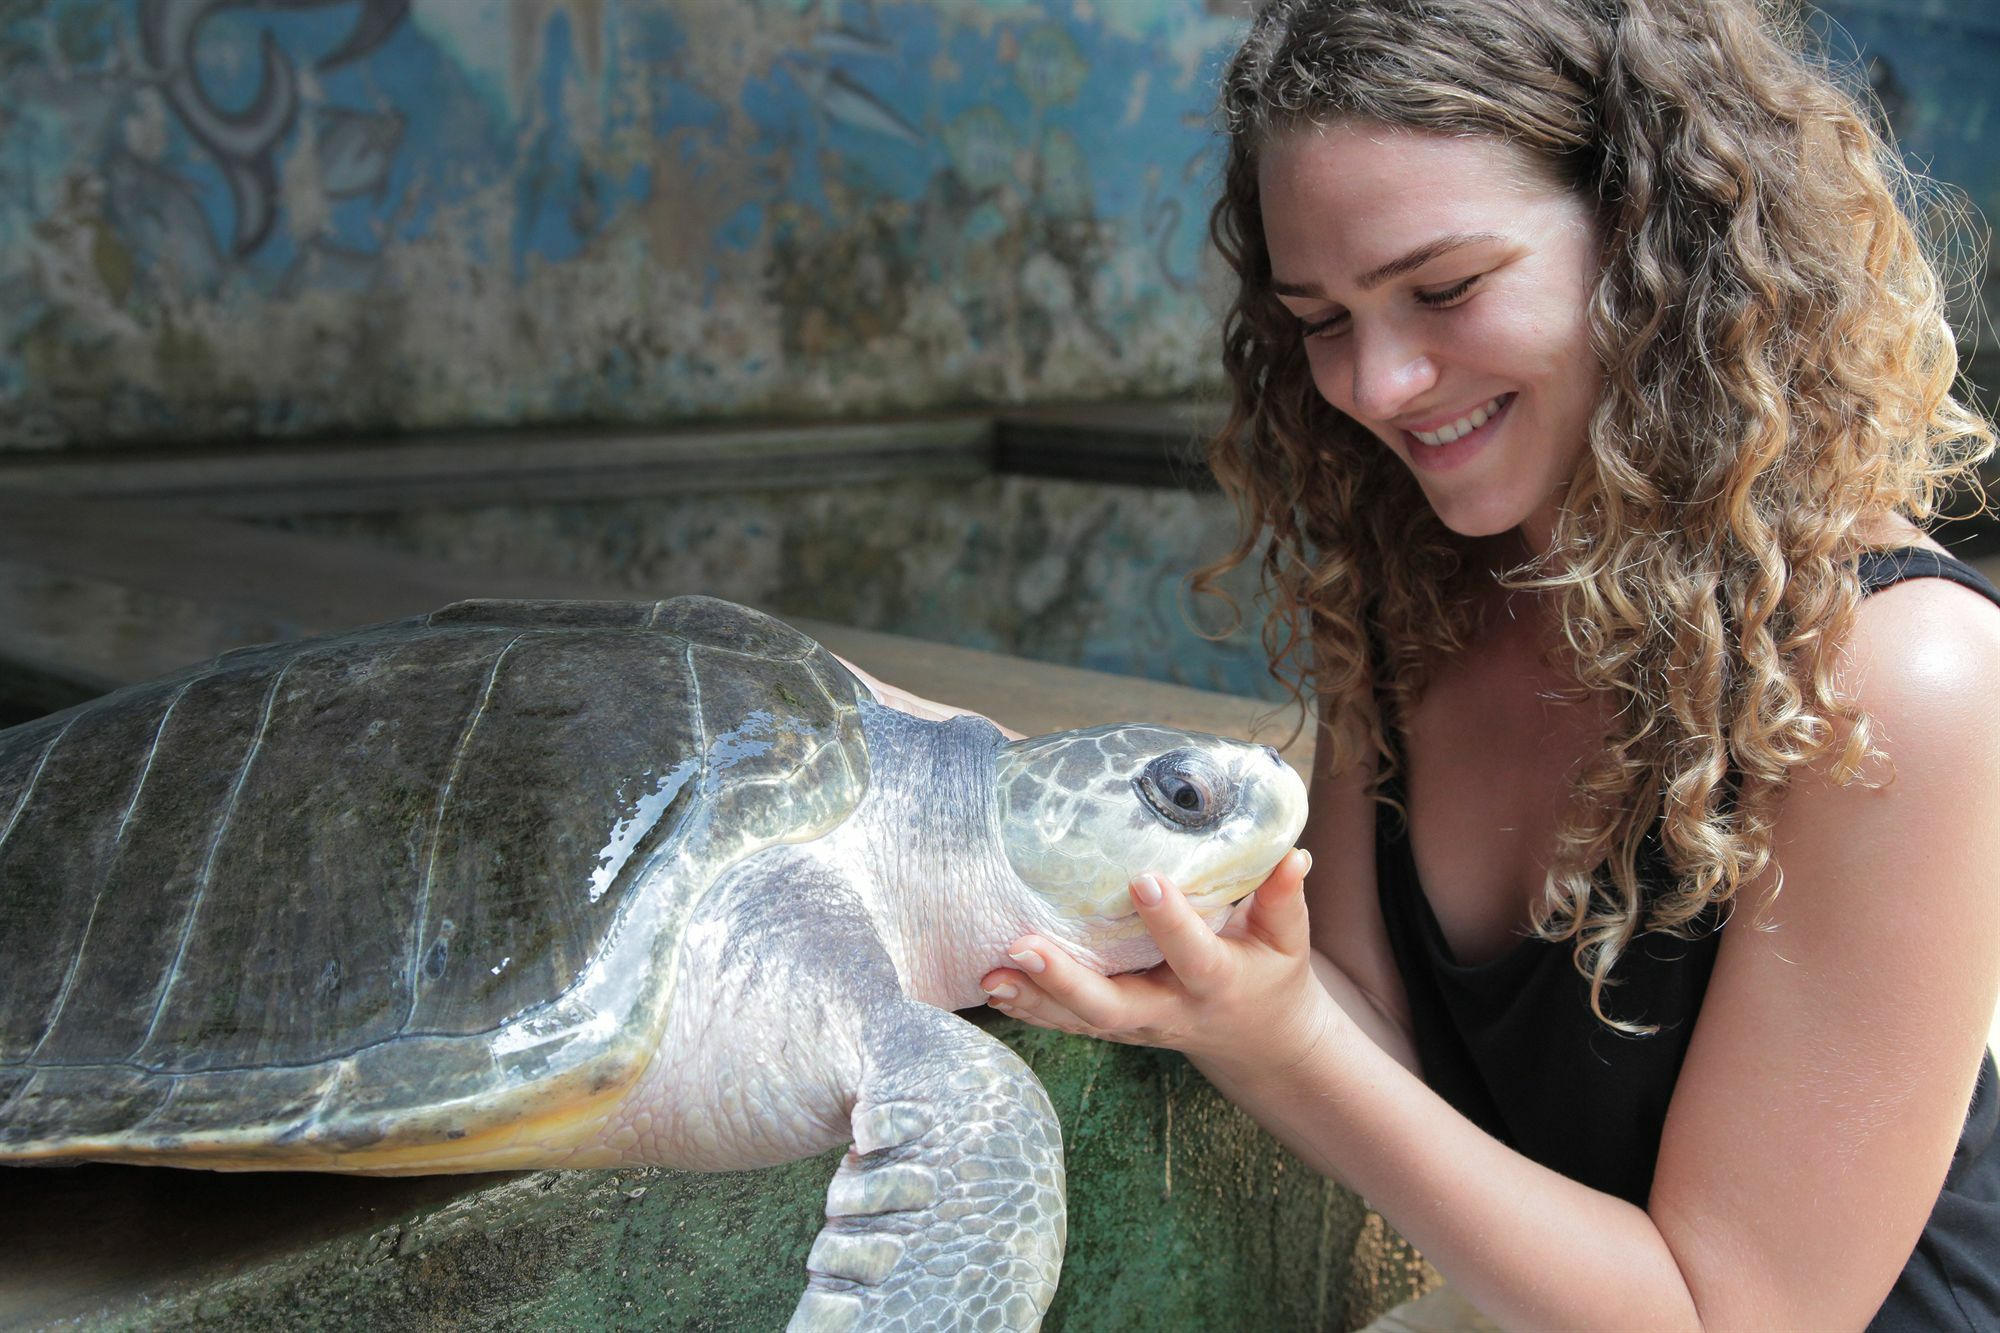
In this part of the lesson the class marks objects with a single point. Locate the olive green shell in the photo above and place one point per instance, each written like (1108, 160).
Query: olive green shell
(360, 888)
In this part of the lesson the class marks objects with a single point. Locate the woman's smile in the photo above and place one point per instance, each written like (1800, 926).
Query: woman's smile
(1452, 443)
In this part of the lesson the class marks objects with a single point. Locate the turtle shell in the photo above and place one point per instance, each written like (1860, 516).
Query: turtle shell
(341, 901)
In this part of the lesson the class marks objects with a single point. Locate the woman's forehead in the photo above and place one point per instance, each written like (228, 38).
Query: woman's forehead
(1372, 194)
(1364, 156)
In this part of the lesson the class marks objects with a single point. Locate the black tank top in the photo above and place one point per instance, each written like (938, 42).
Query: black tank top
(1513, 1045)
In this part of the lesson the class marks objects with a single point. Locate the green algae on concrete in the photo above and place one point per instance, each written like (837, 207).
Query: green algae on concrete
(1183, 1215)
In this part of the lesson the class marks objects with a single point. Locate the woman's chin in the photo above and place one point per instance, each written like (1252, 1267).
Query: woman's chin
(1479, 519)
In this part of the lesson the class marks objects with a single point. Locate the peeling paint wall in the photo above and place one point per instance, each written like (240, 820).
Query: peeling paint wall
(223, 219)
(1930, 64)
(227, 219)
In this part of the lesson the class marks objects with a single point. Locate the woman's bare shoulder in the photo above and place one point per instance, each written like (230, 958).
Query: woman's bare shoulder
(1924, 650)
(1854, 985)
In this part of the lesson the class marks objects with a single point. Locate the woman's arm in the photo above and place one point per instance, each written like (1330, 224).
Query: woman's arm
(1823, 1091)
(1351, 954)
(1827, 1083)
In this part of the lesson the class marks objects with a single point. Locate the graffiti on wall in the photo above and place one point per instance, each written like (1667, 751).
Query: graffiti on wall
(280, 216)
(272, 217)
(354, 146)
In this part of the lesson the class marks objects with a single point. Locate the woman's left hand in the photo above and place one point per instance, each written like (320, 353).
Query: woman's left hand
(1245, 998)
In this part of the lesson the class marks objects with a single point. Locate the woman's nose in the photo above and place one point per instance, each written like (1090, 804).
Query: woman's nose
(1390, 373)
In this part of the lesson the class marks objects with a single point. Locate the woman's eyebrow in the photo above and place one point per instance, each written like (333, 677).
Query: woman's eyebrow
(1395, 268)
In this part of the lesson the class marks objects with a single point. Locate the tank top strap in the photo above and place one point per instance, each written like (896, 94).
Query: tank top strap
(1881, 569)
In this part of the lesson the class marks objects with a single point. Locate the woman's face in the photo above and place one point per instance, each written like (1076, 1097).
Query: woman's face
(1441, 285)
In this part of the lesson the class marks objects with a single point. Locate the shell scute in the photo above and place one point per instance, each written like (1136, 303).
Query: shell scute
(711, 623)
(313, 854)
(100, 873)
(531, 614)
(526, 873)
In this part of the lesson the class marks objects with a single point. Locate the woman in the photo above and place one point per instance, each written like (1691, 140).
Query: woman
(1589, 387)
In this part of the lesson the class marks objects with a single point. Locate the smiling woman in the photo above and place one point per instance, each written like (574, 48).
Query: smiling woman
(1591, 388)
(1475, 335)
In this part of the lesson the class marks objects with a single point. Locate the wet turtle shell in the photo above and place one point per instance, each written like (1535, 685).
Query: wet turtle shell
(343, 901)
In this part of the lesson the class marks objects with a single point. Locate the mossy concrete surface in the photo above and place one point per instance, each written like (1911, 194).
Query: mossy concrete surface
(1183, 1215)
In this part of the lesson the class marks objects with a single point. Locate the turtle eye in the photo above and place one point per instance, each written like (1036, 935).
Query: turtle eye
(1180, 789)
(1184, 794)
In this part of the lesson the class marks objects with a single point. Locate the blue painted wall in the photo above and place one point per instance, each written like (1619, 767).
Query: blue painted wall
(273, 217)
(1932, 65)
(221, 217)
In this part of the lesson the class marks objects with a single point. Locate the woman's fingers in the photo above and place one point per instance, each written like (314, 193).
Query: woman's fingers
(1047, 975)
(1200, 960)
(1034, 1006)
(1017, 997)
(1278, 913)
(1048, 987)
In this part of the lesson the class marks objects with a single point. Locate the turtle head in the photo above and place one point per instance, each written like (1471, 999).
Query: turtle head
(1083, 812)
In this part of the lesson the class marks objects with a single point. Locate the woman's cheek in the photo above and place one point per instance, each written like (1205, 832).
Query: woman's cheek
(1334, 380)
(1331, 373)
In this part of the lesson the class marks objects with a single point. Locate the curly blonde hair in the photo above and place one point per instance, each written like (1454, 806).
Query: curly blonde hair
(1778, 375)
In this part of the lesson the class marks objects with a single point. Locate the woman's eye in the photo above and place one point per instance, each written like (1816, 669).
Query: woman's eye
(1447, 295)
(1326, 326)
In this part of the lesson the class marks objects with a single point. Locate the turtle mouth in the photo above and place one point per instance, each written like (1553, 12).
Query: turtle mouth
(1122, 918)
(1226, 895)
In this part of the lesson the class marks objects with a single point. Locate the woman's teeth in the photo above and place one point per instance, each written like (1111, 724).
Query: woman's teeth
(1465, 425)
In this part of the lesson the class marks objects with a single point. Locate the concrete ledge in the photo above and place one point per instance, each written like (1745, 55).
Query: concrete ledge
(1146, 444)
(362, 476)
(1183, 1215)
(1140, 443)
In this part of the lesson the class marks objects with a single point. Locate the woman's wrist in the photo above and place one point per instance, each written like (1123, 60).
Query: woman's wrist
(1305, 1039)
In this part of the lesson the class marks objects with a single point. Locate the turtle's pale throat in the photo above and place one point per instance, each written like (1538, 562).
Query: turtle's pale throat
(947, 901)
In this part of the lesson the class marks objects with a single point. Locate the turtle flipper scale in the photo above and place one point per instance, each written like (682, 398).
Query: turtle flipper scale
(949, 1210)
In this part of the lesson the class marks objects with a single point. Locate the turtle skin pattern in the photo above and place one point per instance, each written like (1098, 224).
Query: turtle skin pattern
(882, 1262)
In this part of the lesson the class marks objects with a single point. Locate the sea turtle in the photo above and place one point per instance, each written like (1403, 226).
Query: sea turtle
(585, 884)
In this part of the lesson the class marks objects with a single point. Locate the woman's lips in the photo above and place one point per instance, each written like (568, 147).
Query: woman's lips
(1445, 456)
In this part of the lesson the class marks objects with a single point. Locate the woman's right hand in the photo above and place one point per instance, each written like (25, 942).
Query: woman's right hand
(1245, 1000)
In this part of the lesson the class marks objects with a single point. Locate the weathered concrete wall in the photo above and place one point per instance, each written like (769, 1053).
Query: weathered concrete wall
(219, 218)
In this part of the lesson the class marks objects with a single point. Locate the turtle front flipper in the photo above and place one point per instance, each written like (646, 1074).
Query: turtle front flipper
(948, 1212)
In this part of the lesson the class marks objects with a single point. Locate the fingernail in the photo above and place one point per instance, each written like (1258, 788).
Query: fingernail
(1028, 960)
(1147, 890)
(1305, 869)
(1002, 991)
